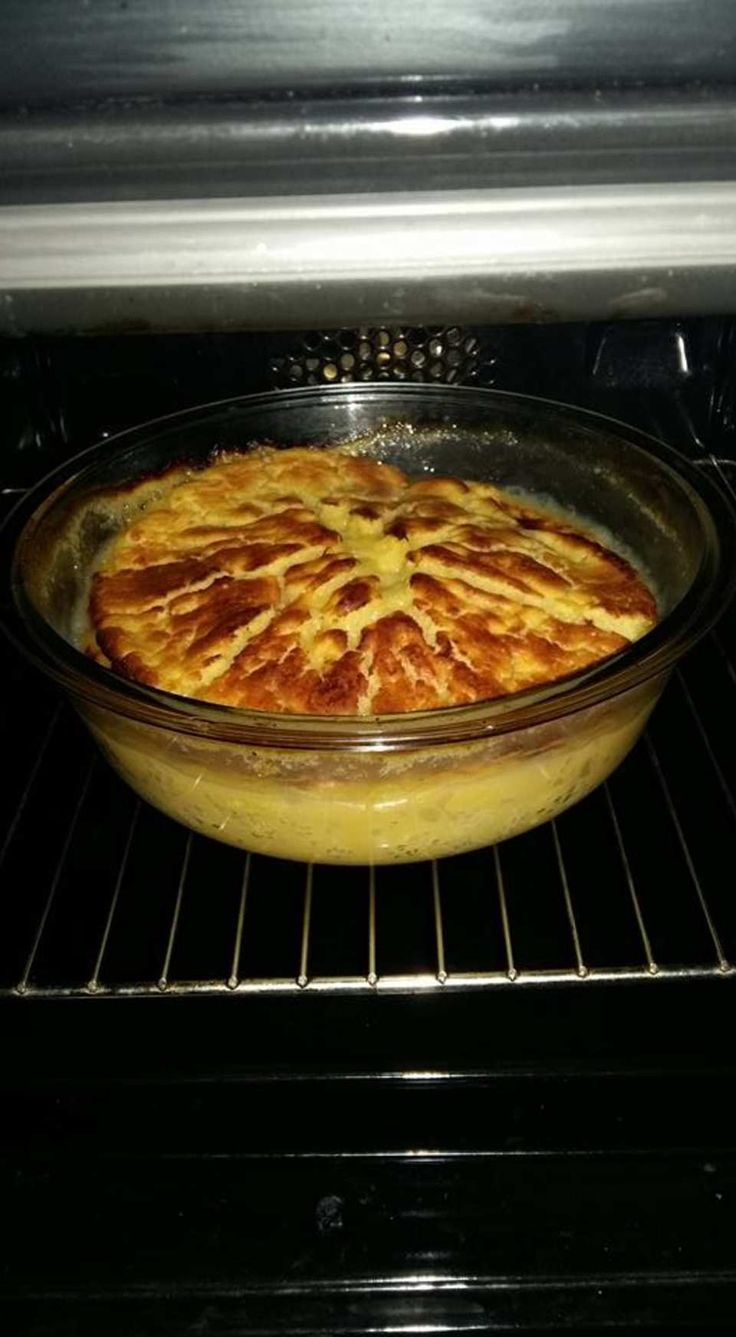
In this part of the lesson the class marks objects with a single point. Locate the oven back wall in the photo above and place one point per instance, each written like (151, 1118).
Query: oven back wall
(60, 395)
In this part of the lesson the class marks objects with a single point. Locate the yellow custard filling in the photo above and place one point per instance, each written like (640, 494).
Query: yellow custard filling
(373, 808)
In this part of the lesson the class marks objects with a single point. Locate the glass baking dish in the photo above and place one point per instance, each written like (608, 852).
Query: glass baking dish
(401, 787)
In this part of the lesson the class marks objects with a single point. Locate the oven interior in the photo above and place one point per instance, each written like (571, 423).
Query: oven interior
(488, 1093)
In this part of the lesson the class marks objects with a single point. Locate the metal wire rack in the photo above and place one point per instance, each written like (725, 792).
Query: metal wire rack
(102, 895)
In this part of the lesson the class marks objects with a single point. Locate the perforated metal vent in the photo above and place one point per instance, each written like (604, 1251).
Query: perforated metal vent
(441, 355)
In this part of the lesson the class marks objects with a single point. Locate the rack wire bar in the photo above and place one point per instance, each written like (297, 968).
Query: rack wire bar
(372, 972)
(94, 978)
(438, 925)
(694, 712)
(303, 976)
(56, 879)
(582, 969)
(717, 641)
(163, 981)
(511, 971)
(458, 981)
(238, 946)
(723, 961)
(32, 777)
(652, 966)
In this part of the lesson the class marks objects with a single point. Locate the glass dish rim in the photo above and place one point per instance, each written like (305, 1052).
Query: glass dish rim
(652, 655)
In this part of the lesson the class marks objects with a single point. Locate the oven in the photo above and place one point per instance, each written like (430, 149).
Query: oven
(487, 1093)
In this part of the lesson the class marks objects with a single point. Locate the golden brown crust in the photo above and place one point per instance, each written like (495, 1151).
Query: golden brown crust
(315, 582)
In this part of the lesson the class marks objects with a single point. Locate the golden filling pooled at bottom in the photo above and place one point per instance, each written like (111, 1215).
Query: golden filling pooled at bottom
(317, 582)
(375, 808)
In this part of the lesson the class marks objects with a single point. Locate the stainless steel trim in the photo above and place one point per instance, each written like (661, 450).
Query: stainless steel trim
(107, 50)
(485, 255)
(133, 150)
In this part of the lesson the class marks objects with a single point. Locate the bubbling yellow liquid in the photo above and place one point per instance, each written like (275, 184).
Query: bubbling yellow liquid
(374, 808)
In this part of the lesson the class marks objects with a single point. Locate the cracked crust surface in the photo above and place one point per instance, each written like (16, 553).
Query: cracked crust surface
(315, 582)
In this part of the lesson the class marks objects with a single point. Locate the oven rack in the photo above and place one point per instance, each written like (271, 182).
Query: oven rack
(100, 895)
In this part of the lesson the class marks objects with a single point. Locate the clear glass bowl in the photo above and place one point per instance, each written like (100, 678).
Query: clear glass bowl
(401, 787)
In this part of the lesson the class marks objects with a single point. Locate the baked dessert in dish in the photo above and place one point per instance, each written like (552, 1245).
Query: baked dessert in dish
(402, 667)
(313, 581)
